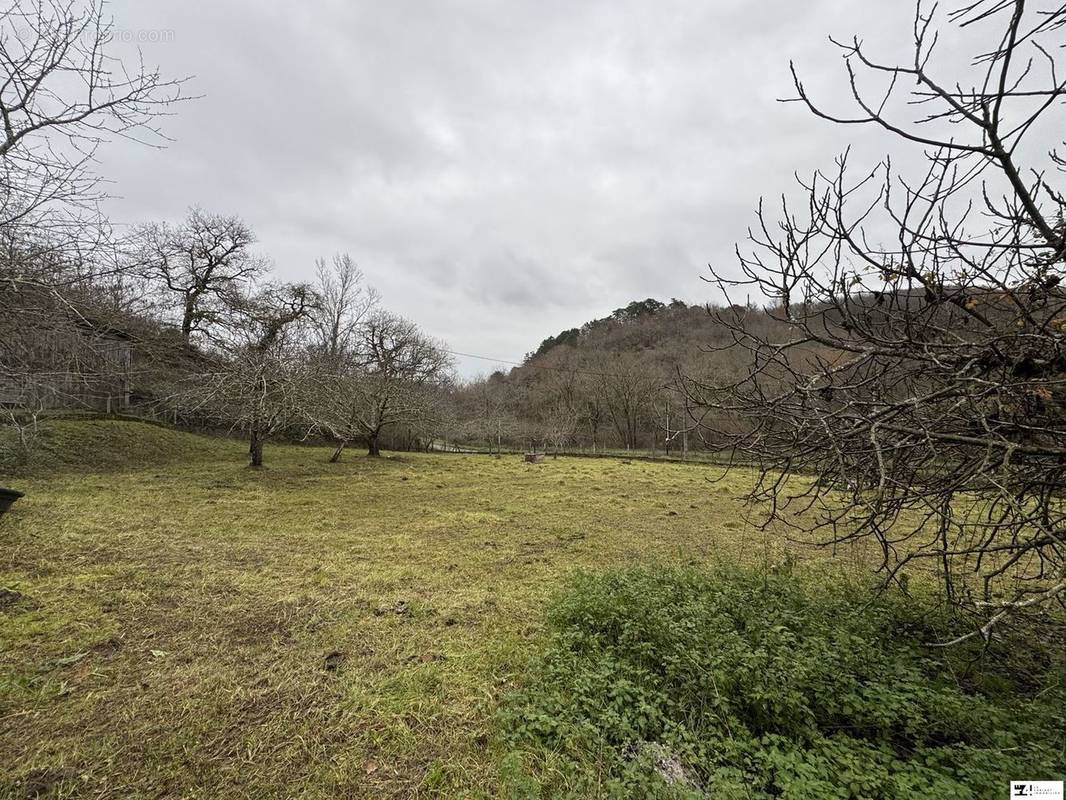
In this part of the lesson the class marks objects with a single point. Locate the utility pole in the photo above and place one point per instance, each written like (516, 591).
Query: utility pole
(668, 426)
(684, 434)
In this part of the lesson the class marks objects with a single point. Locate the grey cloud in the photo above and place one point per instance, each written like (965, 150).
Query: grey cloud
(500, 171)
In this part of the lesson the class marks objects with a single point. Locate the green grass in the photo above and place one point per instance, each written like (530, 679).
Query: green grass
(184, 626)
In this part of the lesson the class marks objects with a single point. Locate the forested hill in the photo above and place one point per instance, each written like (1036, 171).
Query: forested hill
(663, 335)
(610, 382)
(638, 312)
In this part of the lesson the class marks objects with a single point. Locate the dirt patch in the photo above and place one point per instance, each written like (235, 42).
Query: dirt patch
(254, 625)
(107, 648)
(39, 783)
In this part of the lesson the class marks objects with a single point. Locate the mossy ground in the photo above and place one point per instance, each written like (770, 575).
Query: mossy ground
(185, 626)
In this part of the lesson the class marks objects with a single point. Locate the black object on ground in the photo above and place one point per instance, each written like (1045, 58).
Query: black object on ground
(7, 497)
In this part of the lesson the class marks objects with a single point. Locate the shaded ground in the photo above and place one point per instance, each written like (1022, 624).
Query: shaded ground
(198, 629)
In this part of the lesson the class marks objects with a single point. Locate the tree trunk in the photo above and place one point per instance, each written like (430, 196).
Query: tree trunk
(372, 446)
(333, 459)
(187, 318)
(255, 449)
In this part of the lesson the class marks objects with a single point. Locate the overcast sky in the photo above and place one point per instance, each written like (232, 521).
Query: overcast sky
(500, 170)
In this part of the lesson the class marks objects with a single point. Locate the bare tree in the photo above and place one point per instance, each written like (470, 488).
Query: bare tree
(261, 385)
(197, 265)
(557, 423)
(591, 409)
(555, 407)
(345, 301)
(62, 94)
(391, 377)
(626, 390)
(922, 382)
(489, 410)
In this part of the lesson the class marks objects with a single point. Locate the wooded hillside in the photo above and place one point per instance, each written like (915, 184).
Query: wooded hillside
(612, 382)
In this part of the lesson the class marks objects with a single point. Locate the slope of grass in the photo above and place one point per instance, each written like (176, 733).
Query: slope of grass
(189, 627)
(65, 444)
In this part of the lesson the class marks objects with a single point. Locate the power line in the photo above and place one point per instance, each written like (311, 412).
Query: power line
(486, 358)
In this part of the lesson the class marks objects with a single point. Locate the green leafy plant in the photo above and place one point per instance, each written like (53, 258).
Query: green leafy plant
(667, 683)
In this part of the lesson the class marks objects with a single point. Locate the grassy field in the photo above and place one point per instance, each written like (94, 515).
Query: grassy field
(186, 627)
